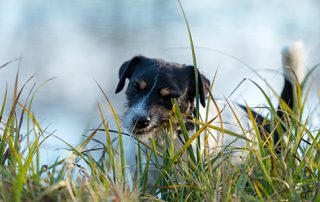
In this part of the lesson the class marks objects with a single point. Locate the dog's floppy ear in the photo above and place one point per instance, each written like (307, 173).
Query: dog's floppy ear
(204, 85)
(126, 71)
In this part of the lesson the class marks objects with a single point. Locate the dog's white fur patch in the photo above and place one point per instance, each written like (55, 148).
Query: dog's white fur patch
(136, 110)
(293, 62)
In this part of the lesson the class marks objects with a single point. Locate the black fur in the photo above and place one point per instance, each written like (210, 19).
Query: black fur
(287, 95)
(126, 71)
(180, 77)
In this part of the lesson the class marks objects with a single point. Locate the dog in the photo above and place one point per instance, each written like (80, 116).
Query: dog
(155, 83)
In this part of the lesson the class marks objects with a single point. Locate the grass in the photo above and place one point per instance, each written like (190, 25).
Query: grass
(289, 175)
(185, 174)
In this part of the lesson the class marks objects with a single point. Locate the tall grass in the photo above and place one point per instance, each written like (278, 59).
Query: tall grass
(77, 177)
(284, 171)
(266, 174)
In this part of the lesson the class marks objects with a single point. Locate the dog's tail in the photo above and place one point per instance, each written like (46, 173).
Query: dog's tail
(293, 62)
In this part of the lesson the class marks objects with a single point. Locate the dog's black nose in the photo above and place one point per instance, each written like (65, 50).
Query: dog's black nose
(142, 121)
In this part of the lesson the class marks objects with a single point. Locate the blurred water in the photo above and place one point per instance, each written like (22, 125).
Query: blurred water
(82, 41)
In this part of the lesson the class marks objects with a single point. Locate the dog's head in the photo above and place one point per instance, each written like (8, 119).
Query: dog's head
(153, 83)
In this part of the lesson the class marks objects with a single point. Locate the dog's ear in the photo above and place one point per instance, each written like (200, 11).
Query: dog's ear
(126, 70)
(204, 85)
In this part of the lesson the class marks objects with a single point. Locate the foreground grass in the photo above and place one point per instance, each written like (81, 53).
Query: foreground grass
(288, 173)
(284, 171)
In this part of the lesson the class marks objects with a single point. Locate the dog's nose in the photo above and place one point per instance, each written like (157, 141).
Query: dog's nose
(142, 121)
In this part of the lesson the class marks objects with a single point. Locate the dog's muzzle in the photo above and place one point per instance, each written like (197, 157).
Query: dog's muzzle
(139, 121)
(142, 121)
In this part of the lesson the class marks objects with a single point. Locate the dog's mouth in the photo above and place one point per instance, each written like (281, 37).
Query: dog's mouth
(145, 131)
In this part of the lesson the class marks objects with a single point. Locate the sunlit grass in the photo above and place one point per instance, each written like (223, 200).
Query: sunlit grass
(287, 170)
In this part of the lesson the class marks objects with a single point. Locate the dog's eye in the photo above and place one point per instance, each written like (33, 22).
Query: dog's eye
(140, 85)
(168, 93)
(136, 86)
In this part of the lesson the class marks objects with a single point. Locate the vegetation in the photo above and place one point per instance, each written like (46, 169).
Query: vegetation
(266, 174)
(287, 171)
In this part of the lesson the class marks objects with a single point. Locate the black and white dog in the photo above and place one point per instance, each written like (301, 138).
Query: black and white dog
(153, 83)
